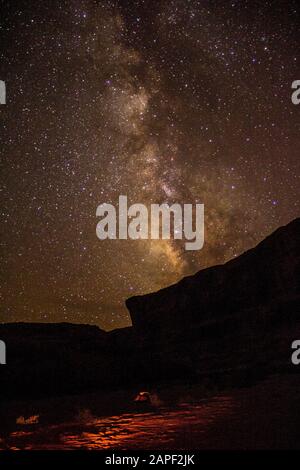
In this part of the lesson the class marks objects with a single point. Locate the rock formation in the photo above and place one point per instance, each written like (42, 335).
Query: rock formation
(226, 325)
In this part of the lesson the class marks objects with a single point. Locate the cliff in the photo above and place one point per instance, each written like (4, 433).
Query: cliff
(262, 277)
(227, 325)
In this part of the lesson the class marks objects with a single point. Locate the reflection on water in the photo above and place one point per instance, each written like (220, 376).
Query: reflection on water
(163, 428)
(264, 416)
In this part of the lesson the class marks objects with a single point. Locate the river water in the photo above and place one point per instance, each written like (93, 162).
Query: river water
(264, 416)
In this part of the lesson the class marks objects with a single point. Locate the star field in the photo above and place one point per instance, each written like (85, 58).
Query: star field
(165, 101)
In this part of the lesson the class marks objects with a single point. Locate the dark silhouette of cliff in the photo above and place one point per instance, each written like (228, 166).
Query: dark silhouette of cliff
(227, 325)
(261, 277)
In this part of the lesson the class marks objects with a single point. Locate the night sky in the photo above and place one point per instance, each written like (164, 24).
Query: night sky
(162, 101)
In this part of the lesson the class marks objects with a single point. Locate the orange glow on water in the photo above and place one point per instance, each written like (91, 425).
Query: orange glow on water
(156, 429)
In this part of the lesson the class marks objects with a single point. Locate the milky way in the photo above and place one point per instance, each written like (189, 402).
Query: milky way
(162, 101)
